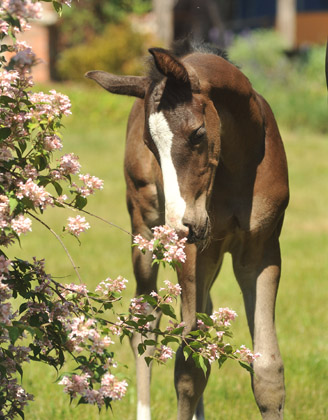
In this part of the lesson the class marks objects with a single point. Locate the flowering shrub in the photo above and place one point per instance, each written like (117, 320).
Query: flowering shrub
(56, 320)
(165, 246)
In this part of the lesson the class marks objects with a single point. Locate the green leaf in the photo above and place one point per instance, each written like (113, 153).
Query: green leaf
(196, 345)
(187, 352)
(152, 301)
(3, 371)
(169, 339)
(58, 7)
(4, 133)
(203, 364)
(247, 367)
(22, 146)
(14, 333)
(228, 349)
(150, 343)
(168, 310)
(80, 202)
(6, 99)
(40, 162)
(177, 331)
(82, 400)
(13, 203)
(58, 187)
(148, 360)
(20, 412)
(205, 318)
(141, 348)
(200, 362)
(222, 359)
(19, 370)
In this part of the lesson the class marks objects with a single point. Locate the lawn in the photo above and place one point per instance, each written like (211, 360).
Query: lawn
(96, 133)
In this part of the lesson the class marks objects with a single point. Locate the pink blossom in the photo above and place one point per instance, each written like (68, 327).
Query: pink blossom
(53, 104)
(22, 10)
(174, 325)
(52, 143)
(90, 184)
(116, 329)
(246, 354)
(100, 343)
(24, 55)
(80, 331)
(63, 312)
(139, 307)
(80, 289)
(4, 265)
(5, 154)
(211, 352)
(165, 243)
(30, 172)
(38, 195)
(77, 384)
(21, 224)
(94, 397)
(69, 164)
(4, 27)
(220, 334)
(109, 286)
(113, 388)
(143, 244)
(223, 316)
(5, 292)
(172, 289)
(5, 313)
(77, 225)
(201, 325)
(61, 102)
(165, 354)
(61, 198)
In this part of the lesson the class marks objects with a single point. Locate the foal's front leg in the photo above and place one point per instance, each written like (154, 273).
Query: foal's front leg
(259, 283)
(146, 276)
(195, 280)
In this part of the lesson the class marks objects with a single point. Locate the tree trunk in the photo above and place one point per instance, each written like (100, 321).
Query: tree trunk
(164, 19)
(286, 21)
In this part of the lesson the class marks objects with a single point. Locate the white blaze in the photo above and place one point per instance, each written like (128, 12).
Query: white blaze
(162, 136)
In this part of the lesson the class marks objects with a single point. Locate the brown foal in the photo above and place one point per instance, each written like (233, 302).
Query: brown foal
(204, 155)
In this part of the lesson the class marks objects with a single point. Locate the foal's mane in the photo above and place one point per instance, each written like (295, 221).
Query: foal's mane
(180, 49)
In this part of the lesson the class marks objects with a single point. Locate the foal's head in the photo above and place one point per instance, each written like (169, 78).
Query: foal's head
(182, 129)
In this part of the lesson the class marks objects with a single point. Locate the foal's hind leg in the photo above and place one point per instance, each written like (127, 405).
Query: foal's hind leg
(258, 276)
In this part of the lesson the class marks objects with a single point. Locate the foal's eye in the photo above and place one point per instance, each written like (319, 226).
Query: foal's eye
(198, 135)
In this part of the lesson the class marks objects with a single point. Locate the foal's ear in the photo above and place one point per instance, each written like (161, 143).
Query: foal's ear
(122, 85)
(169, 65)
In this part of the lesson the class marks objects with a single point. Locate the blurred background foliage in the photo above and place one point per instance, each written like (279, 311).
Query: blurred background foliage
(88, 18)
(124, 56)
(294, 86)
(97, 34)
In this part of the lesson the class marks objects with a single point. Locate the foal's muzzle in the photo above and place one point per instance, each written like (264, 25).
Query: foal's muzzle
(198, 233)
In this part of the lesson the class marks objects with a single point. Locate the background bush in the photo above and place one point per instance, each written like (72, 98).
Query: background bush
(118, 50)
(295, 87)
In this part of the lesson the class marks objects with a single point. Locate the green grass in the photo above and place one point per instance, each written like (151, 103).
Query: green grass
(96, 133)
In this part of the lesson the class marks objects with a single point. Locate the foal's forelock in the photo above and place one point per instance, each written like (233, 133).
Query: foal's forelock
(175, 205)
